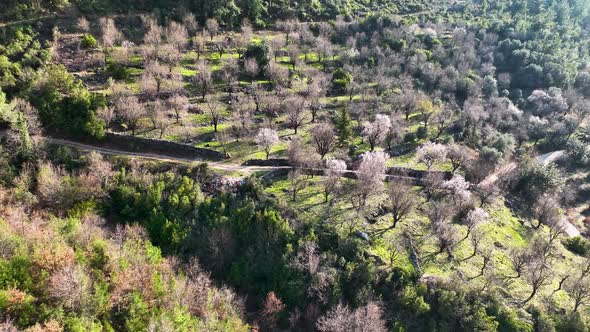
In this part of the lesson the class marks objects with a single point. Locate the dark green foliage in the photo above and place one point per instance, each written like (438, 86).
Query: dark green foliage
(341, 79)
(578, 245)
(260, 52)
(88, 41)
(536, 179)
(343, 126)
(65, 105)
(422, 133)
(118, 71)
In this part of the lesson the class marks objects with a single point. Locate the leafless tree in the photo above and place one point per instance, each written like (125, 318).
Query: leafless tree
(110, 34)
(202, 78)
(106, 114)
(230, 73)
(401, 201)
(212, 27)
(288, 26)
(178, 104)
(473, 219)
(367, 318)
(266, 138)
(244, 38)
(444, 231)
(71, 286)
(293, 53)
(177, 35)
(190, 22)
(578, 289)
(324, 138)
(370, 175)
(153, 32)
(83, 24)
(251, 68)
(131, 110)
(154, 78)
(334, 170)
(214, 109)
(298, 182)
(458, 155)
(158, 117)
(199, 41)
(295, 112)
(546, 211)
(242, 119)
(538, 274)
(442, 120)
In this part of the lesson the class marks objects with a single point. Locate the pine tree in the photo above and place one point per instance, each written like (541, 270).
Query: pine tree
(343, 126)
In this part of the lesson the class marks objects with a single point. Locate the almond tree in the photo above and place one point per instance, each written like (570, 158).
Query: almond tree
(214, 109)
(212, 27)
(266, 138)
(401, 201)
(430, 154)
(335, 168)
(370, 175)
(375, 132)
(458, 155)
(177, 35)
(251, 68)
(110, 34)
(324, 138)
(131, 110)
(295, 112)
(106, 114)
(202, 79)
(178, 103)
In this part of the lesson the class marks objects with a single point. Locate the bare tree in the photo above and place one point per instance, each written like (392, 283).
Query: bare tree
(106, 114)
(177, 35)
(538, 275)
(190, 22)
(266, 138)
(202, 78)
(153, 32)
(458, 155)
(154, 77)
(324, 138)
(83, 24)
(242, 119)
(367, 318)
(401, 201)
(370, 175)
(295, 112)
(546, 211)
(442, 120)
(178, 103)
(212, 27)
(110, 34)
(71, 286)
(427, 109)
(376, 132)
(298, 182)
(159, 118)
(473, 219)
(288, 26)
(214, 109)
(444, 231)
(578, 290)
(334, 170)
(131, 110)
(251, 68)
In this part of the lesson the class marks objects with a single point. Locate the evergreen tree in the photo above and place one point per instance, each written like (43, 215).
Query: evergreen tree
(343, 126)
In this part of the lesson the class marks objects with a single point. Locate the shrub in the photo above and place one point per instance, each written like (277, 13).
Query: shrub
(578, 245)
(88, 41)
(422, 133)
(341, 79)
(410, 137)
(118, 72)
